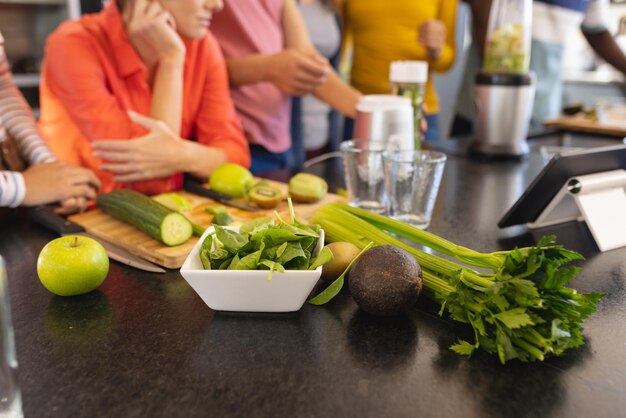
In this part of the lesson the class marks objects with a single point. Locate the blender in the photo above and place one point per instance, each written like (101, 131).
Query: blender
(504, 89)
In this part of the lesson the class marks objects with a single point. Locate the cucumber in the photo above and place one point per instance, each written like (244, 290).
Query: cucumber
(156, 220)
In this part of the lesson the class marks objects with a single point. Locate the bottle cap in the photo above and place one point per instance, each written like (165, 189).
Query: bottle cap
(408, 72)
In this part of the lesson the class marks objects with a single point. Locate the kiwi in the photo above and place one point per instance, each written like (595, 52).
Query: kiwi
(307, 188)
(266, 197)
(385, 280)
(343, 254)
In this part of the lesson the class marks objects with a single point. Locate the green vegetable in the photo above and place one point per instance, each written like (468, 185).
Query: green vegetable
(521, 310)
(179, 203)
(261, 244)
(156, 220)
(220, 215)
(173, 201)
(196, 229)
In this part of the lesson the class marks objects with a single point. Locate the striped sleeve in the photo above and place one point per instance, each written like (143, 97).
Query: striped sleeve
(12, 189)
(17, 117)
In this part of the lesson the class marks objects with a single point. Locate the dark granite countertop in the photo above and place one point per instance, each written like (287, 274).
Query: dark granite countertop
(145, 345)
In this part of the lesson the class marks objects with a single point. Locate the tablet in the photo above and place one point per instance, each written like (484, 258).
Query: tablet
(560, 169)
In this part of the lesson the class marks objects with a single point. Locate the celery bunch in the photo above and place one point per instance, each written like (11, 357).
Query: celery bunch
(521, 310)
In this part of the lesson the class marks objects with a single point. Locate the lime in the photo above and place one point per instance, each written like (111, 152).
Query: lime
(230, 179)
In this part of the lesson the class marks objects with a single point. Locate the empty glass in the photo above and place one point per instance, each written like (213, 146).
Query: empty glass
(364, 174)
(412, 181)
(10, 400)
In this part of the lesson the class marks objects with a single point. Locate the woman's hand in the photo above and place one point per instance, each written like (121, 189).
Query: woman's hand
(152, 156)
(59, 182)
(152, 31)
(432, 35)
(297, 73)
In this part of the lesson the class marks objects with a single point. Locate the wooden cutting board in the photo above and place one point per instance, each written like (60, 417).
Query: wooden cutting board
(612, 123)
(136, 242)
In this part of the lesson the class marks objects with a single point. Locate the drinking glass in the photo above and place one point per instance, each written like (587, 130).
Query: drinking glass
(412, 181)
(10, 400)
(365, 179)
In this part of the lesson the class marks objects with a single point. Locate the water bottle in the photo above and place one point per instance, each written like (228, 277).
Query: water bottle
(408, 79)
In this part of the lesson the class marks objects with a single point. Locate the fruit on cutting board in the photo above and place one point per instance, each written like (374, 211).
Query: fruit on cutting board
(265, 196)
(156, 220)
(385, 280)
(231, 179)
(307, 188)
(72, 265)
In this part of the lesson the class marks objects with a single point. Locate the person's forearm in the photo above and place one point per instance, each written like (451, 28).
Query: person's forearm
(167, 93)
(248, 70)
(339, 95)
(12, 189)
(19, 120)
(480, 20)
(606, 47)
(200, 160)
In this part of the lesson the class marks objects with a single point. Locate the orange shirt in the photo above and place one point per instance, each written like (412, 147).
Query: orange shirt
(92, 75)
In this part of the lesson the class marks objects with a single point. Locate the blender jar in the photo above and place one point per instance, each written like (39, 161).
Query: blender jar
(507, 45)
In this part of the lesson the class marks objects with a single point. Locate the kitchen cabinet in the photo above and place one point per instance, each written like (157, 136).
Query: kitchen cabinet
(25, 25)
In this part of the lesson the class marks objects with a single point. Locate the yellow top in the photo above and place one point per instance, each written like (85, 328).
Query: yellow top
(382, 31)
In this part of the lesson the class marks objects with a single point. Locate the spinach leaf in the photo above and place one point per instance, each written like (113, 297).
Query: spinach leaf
(273, 266)
(302, 230)
(325, 256)
(292, 250)
(273, 236)
(232, 240)
(249, 262)
(257, 223)
(233, 262)
(205, 259)
(225, 264)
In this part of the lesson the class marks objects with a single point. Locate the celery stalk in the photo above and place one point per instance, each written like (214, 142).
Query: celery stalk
(521, 310)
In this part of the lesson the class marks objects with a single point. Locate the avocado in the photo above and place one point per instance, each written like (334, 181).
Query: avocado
(385, 280)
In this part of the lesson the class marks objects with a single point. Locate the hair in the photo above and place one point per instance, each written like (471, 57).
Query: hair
(121, 4)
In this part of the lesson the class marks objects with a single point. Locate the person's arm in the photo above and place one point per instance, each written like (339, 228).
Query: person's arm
(18, 117)
(218, 131)
(480, 21)
(150, 30)
(12, 189)
(334, 91)
(605, 46)
(447, 15)
(161, 152)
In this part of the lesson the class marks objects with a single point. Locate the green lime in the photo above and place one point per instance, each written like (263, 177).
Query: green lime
(231, 179)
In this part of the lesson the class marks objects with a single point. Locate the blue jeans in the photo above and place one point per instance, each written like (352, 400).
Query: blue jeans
(264, 161)
(432, 133)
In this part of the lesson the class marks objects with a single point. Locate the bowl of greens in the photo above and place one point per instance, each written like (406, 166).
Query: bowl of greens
(264, 265)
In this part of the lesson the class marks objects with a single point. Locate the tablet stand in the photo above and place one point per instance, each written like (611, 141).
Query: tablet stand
(599, 199)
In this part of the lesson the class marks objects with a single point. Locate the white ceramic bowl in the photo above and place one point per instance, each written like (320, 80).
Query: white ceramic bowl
(249, 290)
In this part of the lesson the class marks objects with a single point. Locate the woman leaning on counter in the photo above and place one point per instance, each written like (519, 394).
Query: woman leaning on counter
(29, 173)
(156, 59)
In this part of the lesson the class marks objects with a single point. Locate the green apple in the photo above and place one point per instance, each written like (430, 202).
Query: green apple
(231, 179)
(72, 265)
